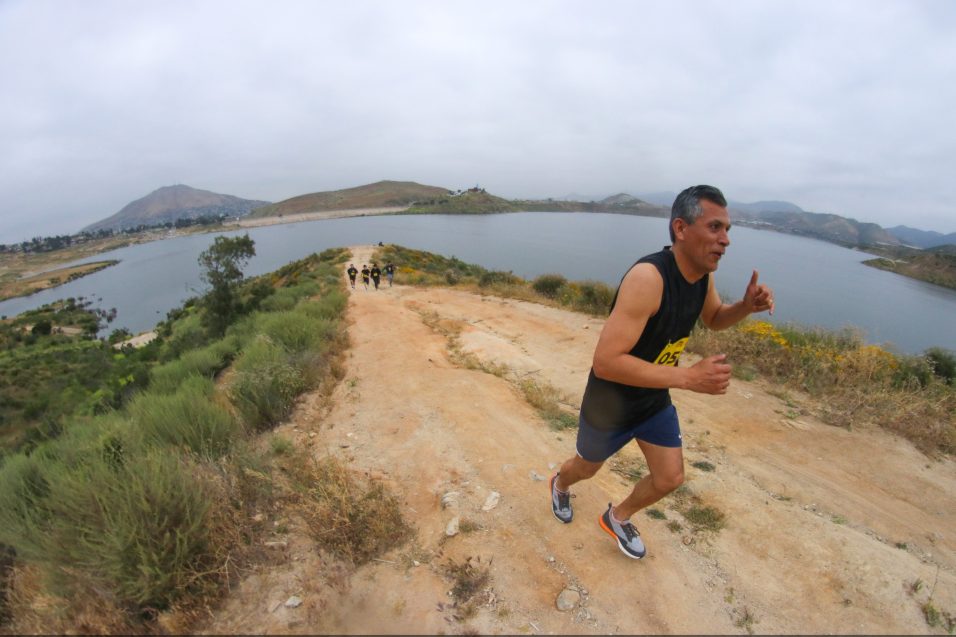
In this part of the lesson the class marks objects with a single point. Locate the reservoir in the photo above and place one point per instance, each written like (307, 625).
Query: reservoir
(815, 283)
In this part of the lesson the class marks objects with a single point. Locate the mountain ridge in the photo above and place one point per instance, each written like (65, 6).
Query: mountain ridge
(169, 204)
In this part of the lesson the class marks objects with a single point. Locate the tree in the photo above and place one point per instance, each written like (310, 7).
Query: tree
(222, 267)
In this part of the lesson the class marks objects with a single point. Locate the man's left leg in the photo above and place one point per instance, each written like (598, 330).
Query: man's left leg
(665, 473)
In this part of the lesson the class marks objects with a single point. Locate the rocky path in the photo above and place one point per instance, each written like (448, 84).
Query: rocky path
(825, 531)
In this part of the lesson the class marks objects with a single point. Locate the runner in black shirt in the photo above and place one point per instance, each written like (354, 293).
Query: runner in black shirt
(365, 275)
(635, 361)
(352, 272)
(376, 274)
(389, 272)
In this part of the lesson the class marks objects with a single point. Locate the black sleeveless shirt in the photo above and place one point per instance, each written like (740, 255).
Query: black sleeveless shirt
(608, 405)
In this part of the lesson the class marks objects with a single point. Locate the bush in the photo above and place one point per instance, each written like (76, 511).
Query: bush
(330, 306)
(295, 331)
(943, 362)
(266, 384)
(206, 362)
(188, 418)
(356, 520)
(138, 531)
(497, 277)
(549, 285)
(592, 297)
(186, 334)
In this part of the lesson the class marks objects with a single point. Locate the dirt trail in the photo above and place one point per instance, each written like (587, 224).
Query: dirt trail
(827, 530)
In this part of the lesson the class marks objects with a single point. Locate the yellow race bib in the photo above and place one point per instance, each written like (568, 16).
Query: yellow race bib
(671, 353)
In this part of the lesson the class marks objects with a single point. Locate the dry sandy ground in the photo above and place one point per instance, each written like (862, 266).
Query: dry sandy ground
(828, 531)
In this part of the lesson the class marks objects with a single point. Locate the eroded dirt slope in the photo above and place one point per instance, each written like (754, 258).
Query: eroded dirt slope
(826, 530)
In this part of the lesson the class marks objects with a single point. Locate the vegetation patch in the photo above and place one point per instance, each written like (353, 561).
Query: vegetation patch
(704, 518)
(129, 503)
(857, 384)
(352, 517)
(470, 580)
(417, 267)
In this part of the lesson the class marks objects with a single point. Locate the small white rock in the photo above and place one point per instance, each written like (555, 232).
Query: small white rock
(452, 529)
(293, 602)
(491, 501)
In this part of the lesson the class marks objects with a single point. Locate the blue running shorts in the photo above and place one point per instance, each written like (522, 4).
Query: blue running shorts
(595, 445)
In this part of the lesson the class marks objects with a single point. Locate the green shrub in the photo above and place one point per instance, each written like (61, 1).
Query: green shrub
(283, 299)
(295, 331)
(186, 334)
(943, 363)
(594, 297)
(549, 285)
(206, 362)
(139, 532)
(330, 306)
(24, 488)
(266, 384)
(497, 277)
(188, 418)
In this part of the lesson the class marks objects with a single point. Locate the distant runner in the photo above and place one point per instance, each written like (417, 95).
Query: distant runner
(352, 272)
(389, 272)
(635, 362)
(365, 274)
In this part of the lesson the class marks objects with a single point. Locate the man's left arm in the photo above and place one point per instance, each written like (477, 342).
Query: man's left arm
(718, 316)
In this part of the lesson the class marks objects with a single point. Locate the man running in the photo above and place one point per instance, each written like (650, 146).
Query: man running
(365, 274)
(352, 272)
(376, 274)
(635, 362)
(389, 272)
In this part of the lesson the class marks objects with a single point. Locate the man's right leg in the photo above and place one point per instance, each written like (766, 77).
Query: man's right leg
(573, 470)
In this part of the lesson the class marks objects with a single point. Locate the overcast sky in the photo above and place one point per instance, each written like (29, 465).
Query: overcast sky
(838, 106)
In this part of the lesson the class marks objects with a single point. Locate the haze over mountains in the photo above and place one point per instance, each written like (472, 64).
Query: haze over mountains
(171, 203)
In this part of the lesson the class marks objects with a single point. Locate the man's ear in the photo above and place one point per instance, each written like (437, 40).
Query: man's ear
(679, 225)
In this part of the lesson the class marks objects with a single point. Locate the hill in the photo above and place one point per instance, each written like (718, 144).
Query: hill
(377, 195)
(922, 238)
(171, 203)
(472, 201)
(826, 227)
(934, 265)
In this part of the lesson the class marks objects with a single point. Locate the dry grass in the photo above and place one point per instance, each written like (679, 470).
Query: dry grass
(347, 514)
(470, 580)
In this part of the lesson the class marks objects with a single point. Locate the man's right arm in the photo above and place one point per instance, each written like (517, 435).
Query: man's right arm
(637, 301)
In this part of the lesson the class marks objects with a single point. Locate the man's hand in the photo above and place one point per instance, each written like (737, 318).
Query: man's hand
(709, 376)
(758, 298)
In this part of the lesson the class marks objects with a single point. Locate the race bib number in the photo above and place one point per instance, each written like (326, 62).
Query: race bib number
(671, 354)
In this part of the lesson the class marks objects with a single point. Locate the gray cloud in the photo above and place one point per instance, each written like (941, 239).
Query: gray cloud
(839, 107)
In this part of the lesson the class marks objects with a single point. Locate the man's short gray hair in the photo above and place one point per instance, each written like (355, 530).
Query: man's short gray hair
(687, 204)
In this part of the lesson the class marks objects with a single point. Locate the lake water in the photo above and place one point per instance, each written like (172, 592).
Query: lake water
(815, 283)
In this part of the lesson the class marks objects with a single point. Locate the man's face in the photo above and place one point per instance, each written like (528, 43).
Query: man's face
(705, 240)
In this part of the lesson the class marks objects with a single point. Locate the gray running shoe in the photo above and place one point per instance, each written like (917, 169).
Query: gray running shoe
(628, 539)
(560, 502)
